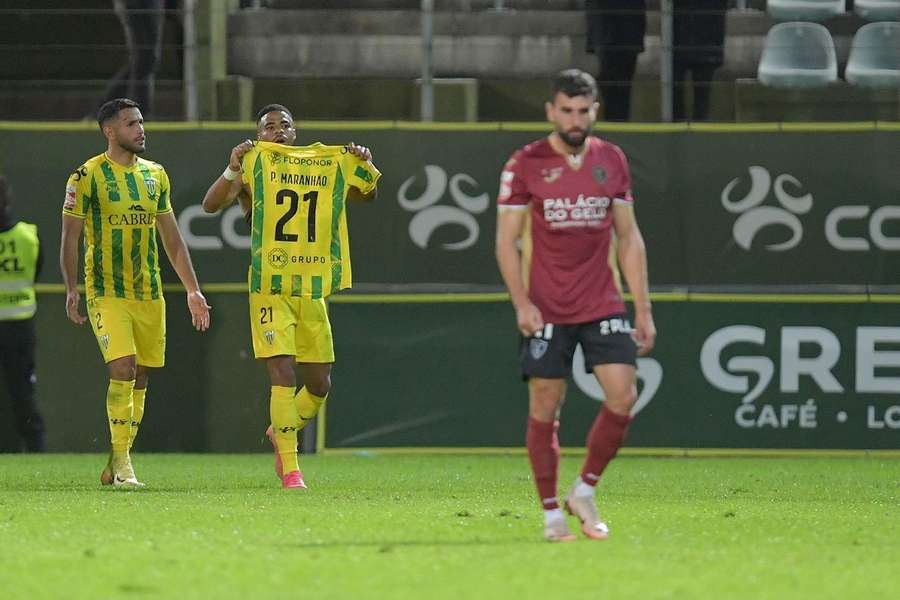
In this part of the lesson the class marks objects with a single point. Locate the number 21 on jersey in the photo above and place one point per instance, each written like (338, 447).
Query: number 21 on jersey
(292, 200)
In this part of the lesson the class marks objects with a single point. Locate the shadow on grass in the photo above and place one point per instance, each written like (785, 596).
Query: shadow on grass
(383, 546)
(80, 487)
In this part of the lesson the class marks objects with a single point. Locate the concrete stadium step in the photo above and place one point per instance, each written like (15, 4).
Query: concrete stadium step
(439, 5)
(532, 43)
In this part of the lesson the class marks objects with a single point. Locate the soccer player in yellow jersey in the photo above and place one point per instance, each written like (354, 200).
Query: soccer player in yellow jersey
(295, 197)
(120, 201)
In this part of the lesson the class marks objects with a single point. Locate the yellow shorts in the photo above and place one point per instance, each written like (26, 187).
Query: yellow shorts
(125, 327)
(291, 326)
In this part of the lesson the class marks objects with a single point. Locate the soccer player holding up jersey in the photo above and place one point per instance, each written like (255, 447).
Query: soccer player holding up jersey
(121, 201)
(564, 196)
(296, 198)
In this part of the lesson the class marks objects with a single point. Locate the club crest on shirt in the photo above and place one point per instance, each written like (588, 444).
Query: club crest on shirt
(104, 341)
(537, 348)
(551, 175)
(151, 186)
(599, 174)
(270, 337)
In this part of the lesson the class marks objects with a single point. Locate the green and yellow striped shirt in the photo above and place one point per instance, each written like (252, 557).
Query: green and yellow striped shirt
(119, 205)
(298, 242)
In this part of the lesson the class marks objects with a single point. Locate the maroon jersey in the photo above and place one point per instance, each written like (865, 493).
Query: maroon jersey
(566, 249)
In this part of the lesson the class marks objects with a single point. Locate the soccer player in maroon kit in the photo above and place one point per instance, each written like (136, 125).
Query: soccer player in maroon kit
(563, 196)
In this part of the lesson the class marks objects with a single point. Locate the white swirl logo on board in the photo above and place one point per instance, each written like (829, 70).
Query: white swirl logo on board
(649, 377)
(754, 217)
(430, 216)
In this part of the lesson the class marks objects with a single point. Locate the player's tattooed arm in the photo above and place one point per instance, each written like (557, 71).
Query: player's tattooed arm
(226, 188)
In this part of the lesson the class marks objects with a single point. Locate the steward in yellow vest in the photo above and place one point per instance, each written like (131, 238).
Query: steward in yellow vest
(20, 262)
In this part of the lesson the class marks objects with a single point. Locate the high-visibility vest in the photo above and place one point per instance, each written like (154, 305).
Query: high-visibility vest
(18, 263)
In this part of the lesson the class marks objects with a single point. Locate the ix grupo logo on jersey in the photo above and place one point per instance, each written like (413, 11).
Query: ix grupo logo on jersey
(278, 258)
(584, 211)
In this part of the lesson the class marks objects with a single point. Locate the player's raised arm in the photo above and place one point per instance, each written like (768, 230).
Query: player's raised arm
(178, 255)
(356, 193)
(632, 255)
(68, 264)
(228, 185)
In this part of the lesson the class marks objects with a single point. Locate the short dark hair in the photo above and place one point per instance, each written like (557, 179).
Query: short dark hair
(111, 108)
(574, 82)
(269, 108)
(4, 189)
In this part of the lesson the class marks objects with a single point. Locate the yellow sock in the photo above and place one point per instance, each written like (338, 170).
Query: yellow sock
(284, 425)
(308, 406)
(119, 406)
(137, 414)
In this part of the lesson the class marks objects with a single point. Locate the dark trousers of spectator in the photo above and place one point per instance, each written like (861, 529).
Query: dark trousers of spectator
(701, 82)
(614, 80)
(17, 346)
(142, 21)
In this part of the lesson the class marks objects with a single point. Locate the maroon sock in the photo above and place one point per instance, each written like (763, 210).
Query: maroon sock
(607, 434)
(543, 451)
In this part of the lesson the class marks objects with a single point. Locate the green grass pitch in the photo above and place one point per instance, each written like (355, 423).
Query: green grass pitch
(447, 526)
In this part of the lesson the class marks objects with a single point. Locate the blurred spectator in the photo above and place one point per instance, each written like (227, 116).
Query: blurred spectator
(142, 21)
(20, 262)
(698, 31)
(615, 33)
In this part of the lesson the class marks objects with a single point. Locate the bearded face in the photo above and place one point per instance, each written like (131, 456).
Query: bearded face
(572, 117)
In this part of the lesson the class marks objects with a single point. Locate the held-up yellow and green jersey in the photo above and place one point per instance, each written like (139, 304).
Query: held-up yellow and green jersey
(298, 194)
(119, 207)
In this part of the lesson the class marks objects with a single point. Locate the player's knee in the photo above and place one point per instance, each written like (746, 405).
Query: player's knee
(319, 386)
(141, 379)
(281, 371)
(622, 402)
(545, 398)
(123, 369)
(545, 412)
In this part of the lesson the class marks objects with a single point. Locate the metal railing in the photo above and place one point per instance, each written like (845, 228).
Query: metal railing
(64, 75)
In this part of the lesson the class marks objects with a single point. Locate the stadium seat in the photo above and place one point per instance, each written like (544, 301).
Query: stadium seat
(877, 10)
(798, 55)
(804, 10)
(875, 56)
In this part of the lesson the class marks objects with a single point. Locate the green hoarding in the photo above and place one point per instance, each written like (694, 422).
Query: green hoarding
(727, 374)
(718, 206)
